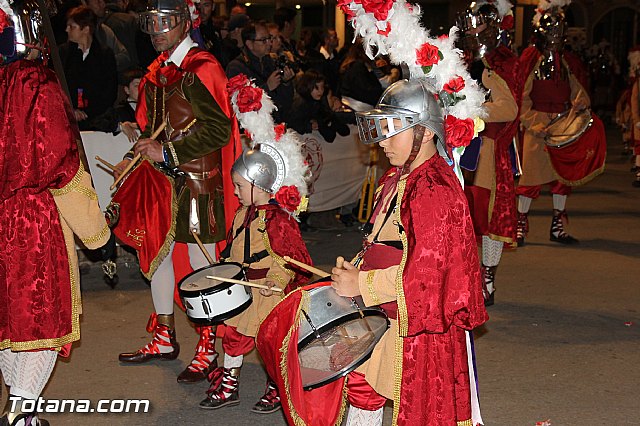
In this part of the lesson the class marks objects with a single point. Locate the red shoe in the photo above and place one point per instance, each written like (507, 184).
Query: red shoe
(164, 335)
(205, 360)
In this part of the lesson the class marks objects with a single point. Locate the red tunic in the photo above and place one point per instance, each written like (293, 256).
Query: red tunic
(38, 152)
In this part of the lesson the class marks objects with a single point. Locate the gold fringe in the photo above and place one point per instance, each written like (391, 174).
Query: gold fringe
(372, 292)
(467, 422)
(90, 193)
(585, 179)
(97, 237)
(73, 183)
(166, 246)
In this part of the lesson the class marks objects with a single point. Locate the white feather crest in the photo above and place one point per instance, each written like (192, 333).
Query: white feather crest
(259, 124)
(504, 7)
(545, 5)
(4, 5)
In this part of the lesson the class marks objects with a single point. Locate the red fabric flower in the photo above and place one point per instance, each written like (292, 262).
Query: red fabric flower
(280, 129)
(427, 55)
(386, 31)
(379, 8)
(458, 132)
(344, 6)
(4, 20)
(288, 197)
(237, 82)
(454, 85)
(507, 22)
(249, 99)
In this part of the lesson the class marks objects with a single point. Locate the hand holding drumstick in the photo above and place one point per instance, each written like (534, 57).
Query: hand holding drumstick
(148, 147)
(344, 278)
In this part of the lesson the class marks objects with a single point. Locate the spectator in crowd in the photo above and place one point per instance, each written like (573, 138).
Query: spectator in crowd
(126, 110)
(311, 110)
(308, 51)
(123, 25)
(332, 61)
(256, 63)
(285, 18)
(238, 9)
(208, 30)
(90, 70)
(359, 86)
(232, 41)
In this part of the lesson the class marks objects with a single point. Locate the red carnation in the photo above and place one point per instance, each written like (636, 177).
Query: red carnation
(379, 8)
(288, 197)
(236, 83)
(458, 132)
(454, 85)
(280, 129)
(507, 23)
(249, 99)
(428, 55)
(344, 6)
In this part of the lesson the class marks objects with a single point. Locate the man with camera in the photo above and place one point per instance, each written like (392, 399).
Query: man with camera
(256, 63)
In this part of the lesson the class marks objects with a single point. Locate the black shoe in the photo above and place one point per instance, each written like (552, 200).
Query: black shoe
(488, 301)
(263, 407)
(210, 403)
(557, 233)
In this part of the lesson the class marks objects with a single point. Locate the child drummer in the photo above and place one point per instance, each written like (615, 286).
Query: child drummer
(269, 181)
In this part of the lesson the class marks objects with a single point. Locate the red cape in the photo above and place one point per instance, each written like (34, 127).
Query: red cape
(38, 152)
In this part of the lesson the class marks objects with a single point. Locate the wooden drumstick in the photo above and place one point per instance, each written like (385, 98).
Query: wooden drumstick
(137, 157)
(340, 262)
(203, 248)
(245, 283)
(106, 163)
(309, 268)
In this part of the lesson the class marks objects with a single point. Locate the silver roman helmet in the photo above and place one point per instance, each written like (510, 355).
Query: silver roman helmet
(412, 102)
(25, 30)
(263, 167)
(550, 28)
(480, 29)
(162, 16)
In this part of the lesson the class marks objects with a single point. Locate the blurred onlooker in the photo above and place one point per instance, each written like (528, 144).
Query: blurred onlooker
(311, 108)
(386, 73)
(285, 18)
(208, 30)
(255, 62)
(359, 86)
(118, 34)
(126, 110)
(331, 64)
(232, 42)
(91, 73)
(308, 48)
(238, 9)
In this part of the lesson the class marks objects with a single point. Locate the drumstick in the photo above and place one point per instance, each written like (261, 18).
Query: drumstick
(246, 283)
(137, 157)
(203, 248)
(340, 262)
(309, 268)
(105, 162)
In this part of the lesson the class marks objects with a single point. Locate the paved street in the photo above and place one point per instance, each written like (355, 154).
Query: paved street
(562, 342)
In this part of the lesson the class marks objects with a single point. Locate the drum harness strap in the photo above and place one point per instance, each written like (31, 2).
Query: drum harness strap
(369, 227)
(248, 257)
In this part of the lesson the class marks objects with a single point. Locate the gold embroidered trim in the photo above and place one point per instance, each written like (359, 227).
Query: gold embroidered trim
(465, 423)
(97, 237)
(582, 181)
(403, 325)
(90, 193)
(372, 291)
(262, 224)
(166, 246)
(283, 283)
(172, 150)
(73, 183)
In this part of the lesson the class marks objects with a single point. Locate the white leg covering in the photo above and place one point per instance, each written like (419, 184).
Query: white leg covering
(197, 258)
(524, 203)
(233, 361)
(31, 373)
(162, 285)
(8, 359)
(476, 417)
(559, 201)
(491, 251)
(360, 417)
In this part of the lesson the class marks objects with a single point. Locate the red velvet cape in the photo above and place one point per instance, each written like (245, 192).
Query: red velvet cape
(440, 297)
(38, 152)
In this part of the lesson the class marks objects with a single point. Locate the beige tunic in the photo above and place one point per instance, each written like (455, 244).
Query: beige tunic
(248, 321)
(377, 287)
(536, 165)
(80, 214)
(501, 108)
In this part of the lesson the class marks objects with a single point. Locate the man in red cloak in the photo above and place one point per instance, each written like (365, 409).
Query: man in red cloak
(185, 90)
(45, 198)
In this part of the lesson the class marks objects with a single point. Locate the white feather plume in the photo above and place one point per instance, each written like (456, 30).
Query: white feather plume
(545, 5)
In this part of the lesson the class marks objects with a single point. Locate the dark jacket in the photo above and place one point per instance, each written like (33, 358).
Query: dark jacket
(304, 110)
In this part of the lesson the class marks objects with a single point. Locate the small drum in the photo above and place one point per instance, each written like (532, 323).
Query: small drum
(567, 127)
(336, 335)
(210, 301)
